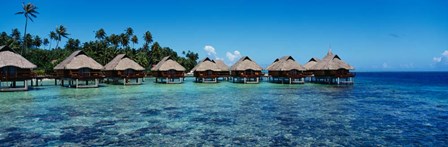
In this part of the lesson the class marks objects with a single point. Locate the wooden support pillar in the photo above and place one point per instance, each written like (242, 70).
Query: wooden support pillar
(77, 83)
(25, 83)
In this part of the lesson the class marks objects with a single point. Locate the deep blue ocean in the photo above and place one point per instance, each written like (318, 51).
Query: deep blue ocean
(380, 109)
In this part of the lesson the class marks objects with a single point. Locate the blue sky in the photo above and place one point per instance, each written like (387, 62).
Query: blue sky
(375, 35)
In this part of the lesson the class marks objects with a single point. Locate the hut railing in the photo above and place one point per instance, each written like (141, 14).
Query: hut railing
(223, 73)
(339, 74)
(206, 75)
(86, 75)
(345, 75)
(287, 74)
(136, 74)
(172, 75)
(19, 75)
(250, 75)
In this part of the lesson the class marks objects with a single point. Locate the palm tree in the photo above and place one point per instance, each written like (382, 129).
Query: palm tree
(114, 39)
(124, 40)
(29, 11)
(15, 34)
(28, 38)
(129, 31)
(72, 44)
(134, 40)
(155, 53)
(53, 36)
(148, 37)
(4, 38)
(46, 42)
(100, 34)
(37, 42)
(62, 32)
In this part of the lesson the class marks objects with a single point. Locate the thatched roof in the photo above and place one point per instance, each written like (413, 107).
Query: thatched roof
(167, 63)
(311, 63)
(221, 65)
(78, 60)
(286, 63)
(123, 62)
(331, 62)
(245, 63)
(9, 58)
(206, 64)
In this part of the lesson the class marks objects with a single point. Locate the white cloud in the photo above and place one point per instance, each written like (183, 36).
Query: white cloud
(437, 59)
(210, 50)
(441, 62)
(232, 56)
(443, 58)
(445, 53)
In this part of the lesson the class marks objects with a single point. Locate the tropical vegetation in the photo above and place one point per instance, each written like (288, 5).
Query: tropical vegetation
(39, 50)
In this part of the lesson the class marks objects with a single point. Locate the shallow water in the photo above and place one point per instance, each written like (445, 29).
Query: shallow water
(380, 109)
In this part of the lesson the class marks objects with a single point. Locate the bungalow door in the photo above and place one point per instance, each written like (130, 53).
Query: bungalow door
(171, 73)
(293, 73)
(129, 72)
(9, 72)
(84, 72)
(249, 73)
(209, 73)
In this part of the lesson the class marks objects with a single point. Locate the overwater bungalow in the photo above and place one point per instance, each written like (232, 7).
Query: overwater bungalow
(246, 70)
(224, 69)
(309, 72)
(206, 71)
(124, 68)
(332, 69)
(79, 70)
(286, 70)
(168, 71)
(311, 63)
(14, 68)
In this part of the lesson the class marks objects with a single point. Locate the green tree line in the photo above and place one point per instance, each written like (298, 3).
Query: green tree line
(46, 53)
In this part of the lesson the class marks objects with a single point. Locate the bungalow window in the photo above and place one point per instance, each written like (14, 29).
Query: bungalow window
(129, 72)
(293, 72)
(249, 72)
(9, 71)
(172, 72)
(209, 72)
(84, 71)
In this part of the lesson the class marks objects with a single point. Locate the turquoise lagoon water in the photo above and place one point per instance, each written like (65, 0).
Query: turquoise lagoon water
(380, 109)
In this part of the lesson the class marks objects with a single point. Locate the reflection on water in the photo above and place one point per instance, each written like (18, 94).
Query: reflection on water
(371, 112)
